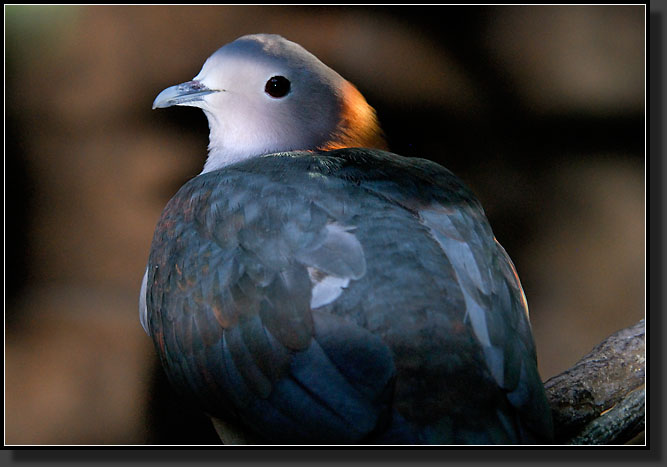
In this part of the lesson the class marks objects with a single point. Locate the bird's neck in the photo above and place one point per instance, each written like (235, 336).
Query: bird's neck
(222, 152)
(358, 126)
(218, 157)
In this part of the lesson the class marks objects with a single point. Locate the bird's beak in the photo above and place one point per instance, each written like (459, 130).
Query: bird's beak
(190, 93)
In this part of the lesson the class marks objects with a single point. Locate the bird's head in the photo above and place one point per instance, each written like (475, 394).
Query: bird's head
(264, 94)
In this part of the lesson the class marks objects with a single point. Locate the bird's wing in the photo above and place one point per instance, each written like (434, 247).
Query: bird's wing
(239, 268)
(495, 308)
(293, 291)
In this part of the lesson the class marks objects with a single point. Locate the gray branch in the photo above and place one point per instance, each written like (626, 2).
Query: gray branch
(600, 400)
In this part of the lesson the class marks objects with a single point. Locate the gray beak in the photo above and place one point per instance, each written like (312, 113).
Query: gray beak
(182, 94)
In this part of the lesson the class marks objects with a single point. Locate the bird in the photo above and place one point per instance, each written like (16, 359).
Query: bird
(310, 287)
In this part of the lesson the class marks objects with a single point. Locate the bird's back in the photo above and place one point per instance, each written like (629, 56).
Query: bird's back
(350, 296)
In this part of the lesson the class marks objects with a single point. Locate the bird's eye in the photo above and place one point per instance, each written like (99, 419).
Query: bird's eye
(277, 86)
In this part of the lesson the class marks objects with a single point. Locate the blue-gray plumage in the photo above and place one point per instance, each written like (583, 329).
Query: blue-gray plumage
(312, 292)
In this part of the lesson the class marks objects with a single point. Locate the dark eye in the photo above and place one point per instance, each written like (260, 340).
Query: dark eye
(278, 86)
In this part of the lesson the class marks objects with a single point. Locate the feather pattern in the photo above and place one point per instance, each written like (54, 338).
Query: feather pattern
(420, 333)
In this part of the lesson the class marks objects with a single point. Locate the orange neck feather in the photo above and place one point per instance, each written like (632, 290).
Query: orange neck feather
(359, 126)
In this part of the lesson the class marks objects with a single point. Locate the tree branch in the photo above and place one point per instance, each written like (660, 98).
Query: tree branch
(600, 400)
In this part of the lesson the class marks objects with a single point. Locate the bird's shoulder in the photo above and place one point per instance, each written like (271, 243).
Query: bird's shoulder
(397, 177)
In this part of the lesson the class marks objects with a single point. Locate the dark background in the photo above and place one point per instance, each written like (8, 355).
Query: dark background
(540, 109)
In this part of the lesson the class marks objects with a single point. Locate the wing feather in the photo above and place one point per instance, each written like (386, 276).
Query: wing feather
(333, 295)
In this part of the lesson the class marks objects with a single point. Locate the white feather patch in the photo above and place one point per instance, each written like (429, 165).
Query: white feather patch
(143, 311)
(326, 288)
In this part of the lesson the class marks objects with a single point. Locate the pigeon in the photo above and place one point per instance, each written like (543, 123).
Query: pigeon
(309, 287)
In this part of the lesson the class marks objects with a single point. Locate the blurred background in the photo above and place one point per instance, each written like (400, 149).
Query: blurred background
(540, 109)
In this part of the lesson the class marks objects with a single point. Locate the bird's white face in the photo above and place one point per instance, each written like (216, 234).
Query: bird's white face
(263, 94)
